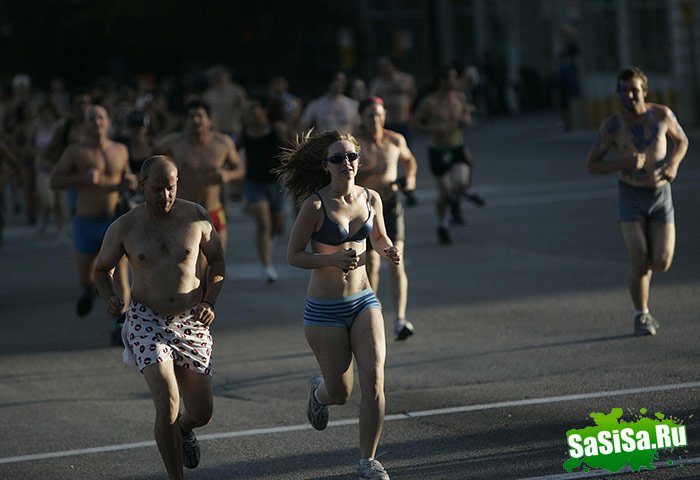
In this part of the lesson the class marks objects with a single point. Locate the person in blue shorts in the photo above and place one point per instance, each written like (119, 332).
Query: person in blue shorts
(261, 143)
(342, 317)
(98, 168)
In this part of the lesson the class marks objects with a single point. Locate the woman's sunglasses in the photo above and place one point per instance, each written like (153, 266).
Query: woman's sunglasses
(340, 157)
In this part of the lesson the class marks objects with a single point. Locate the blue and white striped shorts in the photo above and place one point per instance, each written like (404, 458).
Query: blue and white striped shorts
(338, 312)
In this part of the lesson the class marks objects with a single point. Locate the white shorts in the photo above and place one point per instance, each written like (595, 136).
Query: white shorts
(150, 337)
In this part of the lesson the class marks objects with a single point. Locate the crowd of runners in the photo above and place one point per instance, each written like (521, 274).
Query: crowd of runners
(140, 190)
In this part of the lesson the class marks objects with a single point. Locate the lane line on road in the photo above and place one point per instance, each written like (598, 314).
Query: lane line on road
(354, 421)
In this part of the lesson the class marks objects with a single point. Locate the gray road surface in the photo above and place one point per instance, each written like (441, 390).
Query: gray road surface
(524, 327)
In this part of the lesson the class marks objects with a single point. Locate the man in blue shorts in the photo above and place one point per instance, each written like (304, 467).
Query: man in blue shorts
(98, 169)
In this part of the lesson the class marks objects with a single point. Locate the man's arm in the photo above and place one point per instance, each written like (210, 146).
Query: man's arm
(164, 146)
(6, 156)
(381, 243)
(466, 118)
(410, 166)
(213, 250)
(234, 169)
(65, 174)
(111, 252)
(596, 157)
(421, 120)
(680, 145)
(308, 116)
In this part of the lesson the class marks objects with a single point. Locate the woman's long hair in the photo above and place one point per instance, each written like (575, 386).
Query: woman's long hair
(301, 171)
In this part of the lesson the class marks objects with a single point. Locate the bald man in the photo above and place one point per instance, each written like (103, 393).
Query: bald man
(166, 332)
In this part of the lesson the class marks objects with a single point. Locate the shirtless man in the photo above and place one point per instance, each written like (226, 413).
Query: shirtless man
(206, 160)
(227, 100)
(398, 90)
(98, 169)
(382, 151)
(637, 135)
(167, 330)
(68, 130)
(443, 115)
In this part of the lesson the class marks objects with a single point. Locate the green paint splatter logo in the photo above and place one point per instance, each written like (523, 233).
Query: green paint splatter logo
(613, 443)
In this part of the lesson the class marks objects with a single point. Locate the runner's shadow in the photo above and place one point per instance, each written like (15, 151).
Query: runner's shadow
(513, 350)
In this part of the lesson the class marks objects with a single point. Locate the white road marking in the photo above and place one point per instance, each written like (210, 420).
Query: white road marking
(354, 421)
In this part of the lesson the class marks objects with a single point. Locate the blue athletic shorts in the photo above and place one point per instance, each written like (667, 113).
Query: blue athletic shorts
(270, 192)
(338, 312)
(89, 232)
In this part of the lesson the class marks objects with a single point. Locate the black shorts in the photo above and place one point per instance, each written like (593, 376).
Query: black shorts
(442, 159)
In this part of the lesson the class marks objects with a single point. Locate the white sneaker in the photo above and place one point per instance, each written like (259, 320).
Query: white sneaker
(271, 274)
(372, 469)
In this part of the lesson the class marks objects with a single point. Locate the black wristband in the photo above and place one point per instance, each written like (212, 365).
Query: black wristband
(209, 303)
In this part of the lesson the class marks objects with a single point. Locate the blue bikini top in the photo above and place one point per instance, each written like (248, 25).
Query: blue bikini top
(331, 233)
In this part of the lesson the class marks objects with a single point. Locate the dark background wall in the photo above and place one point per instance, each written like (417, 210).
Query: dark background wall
(81, 40)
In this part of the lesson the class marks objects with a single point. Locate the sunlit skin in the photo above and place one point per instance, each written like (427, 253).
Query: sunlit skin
(206, 160)
(443, 115)
(632, 95)
(633, 143)
(383, 151)
(337, 271)
(163, 240)
(98, 169)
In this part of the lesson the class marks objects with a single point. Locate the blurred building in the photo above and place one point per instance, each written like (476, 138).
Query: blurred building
(520, 47)
(531, 54)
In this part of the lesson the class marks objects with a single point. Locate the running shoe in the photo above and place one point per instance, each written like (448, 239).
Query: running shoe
(444, 235)
(190, 450)
(645, 324)
(315, 410)
(403, 329)
(271, 275)
(115, 336)
(477, 200)
(456, 217)
(372, 469)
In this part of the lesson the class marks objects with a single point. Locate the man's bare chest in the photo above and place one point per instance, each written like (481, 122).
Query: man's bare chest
(447, 109)
(109, 162)
(638, 136)
(152, 246)
(199, 157)
(378, 159)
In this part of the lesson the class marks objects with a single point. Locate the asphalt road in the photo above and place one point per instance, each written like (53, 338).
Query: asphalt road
(523, 328)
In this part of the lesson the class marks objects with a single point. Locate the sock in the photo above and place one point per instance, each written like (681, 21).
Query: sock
(641, 312)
